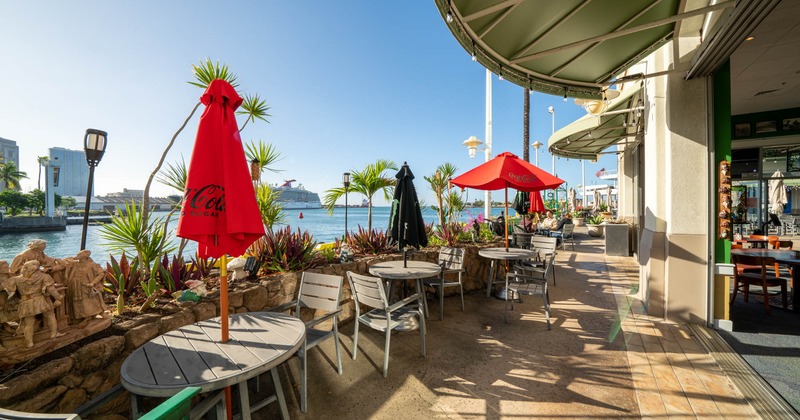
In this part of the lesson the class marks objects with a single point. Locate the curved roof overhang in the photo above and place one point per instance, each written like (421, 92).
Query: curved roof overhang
(573, 48)
(621, 123)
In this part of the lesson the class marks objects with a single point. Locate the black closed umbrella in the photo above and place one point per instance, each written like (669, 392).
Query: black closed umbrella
(522, 202)
(406, 225)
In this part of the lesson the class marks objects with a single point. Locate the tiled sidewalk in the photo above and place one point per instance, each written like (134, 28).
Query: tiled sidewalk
(673, 375)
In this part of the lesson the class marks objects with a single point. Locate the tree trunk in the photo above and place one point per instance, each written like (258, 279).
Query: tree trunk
(526, 126)
(39, 180)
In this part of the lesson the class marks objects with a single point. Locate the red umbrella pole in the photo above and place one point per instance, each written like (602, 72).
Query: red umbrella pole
(223, 296)
(506, 218)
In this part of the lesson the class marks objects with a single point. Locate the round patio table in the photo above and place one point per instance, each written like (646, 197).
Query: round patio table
(194, 356)
(408, 270)
(496, 254)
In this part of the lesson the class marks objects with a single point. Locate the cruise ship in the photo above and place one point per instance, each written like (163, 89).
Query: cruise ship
(292, 198)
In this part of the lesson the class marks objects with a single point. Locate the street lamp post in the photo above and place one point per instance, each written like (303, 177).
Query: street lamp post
(552, 112)
(536, 145)
(346, 182)
(472, 144)
(94, 145)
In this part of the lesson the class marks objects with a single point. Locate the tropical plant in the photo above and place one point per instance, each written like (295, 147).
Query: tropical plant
(37, 201)
(450, 234)
(270, 208)
(594, 220)
(42, 160)
(201, 267)
(68, 202)
(128, 230)
(14, 201)
(369, 241)
(121, 279)
(284, 250)
(10, 175)
(368, 181)
(264, 153)
(440, 184)
(174, 175)
(173, 273)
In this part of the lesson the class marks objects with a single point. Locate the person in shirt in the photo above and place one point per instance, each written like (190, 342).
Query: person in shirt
(548, 223)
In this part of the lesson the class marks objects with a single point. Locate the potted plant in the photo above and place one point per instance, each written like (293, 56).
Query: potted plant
(604, 211)
(617, 235)
(594, 225)
(577, 216)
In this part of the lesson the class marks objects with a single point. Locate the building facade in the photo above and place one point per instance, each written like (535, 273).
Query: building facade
(72, 173)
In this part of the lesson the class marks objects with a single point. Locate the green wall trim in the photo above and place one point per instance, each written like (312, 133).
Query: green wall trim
(723, 130)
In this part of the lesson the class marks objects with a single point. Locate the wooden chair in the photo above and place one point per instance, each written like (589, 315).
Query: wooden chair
(758, 238)
(452, 262)
(744, 279)
(787, 245)
(319, 292)
(369, 291)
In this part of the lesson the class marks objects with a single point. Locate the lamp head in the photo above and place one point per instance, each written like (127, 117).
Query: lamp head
(94, 145)
(472, 144)
(537, 144)
(346, 179)
(551, 110)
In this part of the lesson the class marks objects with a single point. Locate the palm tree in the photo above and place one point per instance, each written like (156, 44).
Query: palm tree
(368, 182)
(10, 175)
(440, 184)
(41, 160)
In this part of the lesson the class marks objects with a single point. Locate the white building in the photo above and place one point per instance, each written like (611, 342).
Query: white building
(72, 175)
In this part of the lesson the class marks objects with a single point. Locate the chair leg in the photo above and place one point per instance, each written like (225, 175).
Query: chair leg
(785, 296)
(554, 273)
(336, 344)
(765, 291)
(441, 299)
(546, 297)
(422, 333)
(735, 290)
(386, 350)
(461, 286)
(355, 338)
(304, 380)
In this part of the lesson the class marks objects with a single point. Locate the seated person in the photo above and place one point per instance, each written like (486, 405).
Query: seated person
(498, 225)
(527, 223)
(548, 223)
(556, 233)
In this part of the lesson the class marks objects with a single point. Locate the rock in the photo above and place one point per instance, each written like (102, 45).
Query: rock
(97, 355)
(71, 400)
(235, 299)
(136, 337)
(72, 380)
(40, 401)
(39, 378)
(255, 298)
(93, 381)
(175, 321)
(112, 376)
(204, 310)
(139, 320)
(239, 310)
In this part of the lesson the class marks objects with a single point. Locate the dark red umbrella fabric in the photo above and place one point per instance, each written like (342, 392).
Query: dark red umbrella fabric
(507, 170)
(537, 204)
(219, 209)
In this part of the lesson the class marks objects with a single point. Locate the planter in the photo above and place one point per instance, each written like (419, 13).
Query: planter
(607, 215)
(595, 230)
(617, 239)
(578, 221)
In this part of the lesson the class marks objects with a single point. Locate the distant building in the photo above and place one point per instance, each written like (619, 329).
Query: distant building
(9, 152)
(72, 175)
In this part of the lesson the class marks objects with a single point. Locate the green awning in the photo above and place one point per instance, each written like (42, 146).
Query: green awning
(567, 47)
(590, 135)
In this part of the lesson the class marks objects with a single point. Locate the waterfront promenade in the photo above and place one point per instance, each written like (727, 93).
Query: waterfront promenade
(604, 358)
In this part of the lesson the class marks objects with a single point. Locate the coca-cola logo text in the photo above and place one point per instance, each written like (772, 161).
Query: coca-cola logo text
(206, 201)
(525, 179)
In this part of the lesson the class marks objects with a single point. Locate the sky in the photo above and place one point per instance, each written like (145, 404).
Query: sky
(347, 83)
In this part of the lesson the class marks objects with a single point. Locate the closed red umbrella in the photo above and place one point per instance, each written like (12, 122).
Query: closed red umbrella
(537, 204)
(219, 208)
(506, 171)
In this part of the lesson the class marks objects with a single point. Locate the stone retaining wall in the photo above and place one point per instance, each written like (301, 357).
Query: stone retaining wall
(62, 385)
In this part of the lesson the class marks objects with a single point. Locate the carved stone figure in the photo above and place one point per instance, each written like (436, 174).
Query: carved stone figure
(35, 289)
(8, 303)
(35, 252)
(84, 279)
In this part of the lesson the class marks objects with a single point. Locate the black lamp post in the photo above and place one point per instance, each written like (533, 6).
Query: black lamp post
(94, 145)
(346, 182)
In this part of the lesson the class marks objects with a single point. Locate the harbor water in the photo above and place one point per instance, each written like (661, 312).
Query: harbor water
(323, 226)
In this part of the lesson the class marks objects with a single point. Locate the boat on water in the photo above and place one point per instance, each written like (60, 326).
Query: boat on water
(292, 198)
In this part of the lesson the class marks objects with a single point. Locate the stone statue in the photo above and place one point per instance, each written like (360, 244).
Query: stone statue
(35, 252)
(8, 303)
(35, 289)
(84, 280)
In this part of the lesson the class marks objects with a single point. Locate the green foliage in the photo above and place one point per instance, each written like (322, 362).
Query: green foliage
(284, 250)
(439, 183)
(254, 108)
(369, 241)
(10, 175)
(121, 279)
(173, 274)
(14, 201)
(594, 220)
(270, 208)
(174, 176)
(126, 231)
(68, 202)
(450, 234)
(368, 181)
(37, 201)
(207, 71)
(201, 267)
(265, 153)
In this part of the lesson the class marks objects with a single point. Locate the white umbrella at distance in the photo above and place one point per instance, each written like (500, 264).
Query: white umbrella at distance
(777, 193)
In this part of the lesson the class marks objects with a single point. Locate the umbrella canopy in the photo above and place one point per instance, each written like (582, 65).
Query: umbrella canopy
(596, 202)
(571, 198)
(506, 171)
(537, 204)
(777, 193)
(219, 208)
(406, 225)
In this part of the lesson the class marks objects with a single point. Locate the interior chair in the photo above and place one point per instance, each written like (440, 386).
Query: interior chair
(544, 261)
(527, 280)
(452, 262)
(744, 279)
(760, 238)
(785, 245)
(566, 233)
(318, 292)
(369, 291)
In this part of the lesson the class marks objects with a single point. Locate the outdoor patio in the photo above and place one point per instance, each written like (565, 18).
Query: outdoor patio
(603, 358)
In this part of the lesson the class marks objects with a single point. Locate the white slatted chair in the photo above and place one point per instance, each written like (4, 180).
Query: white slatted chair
(320, 292)
(544, 264)
(525, 280)
(369, 291)
(452, 262)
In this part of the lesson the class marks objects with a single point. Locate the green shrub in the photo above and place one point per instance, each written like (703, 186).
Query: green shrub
(373, 241)
(284, 250)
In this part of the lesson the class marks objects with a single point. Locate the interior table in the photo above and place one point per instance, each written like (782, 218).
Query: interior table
(752, 242)
(496, 254)
(782, 256)
(194, 356)
(408, 270)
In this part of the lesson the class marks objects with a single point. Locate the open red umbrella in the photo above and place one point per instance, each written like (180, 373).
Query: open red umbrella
(537, 204)
(219, 207)
(506, 171)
